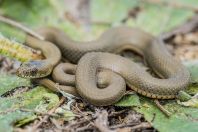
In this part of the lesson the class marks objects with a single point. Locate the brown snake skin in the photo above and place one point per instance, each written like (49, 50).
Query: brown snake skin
(174, 76)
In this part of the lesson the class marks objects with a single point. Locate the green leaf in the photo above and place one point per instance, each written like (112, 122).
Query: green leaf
(9, 82)
(148, 18)
(25, 120)
(192, 89)
(183, 119)
(35, 14)
(10, 107)
(193, 68)
(193, 102)
(129, 100)
(65, 114)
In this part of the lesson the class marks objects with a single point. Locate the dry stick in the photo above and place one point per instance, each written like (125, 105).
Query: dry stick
(81, 129)
(46, 117)
(54, 121)
(7, 111)
(117, 113)
(93, 118)
(166, 112)
(90, 119)
(83, 121)
(101, 122)
(132, 126)
(20, 26)
(140, 126)
(124, 125)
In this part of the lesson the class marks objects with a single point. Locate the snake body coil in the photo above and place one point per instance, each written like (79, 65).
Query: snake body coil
(174, 76)
(115, 40)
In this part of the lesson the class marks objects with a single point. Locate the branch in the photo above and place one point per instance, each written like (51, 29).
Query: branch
(166, 112)
(20, 26)
(46, 117)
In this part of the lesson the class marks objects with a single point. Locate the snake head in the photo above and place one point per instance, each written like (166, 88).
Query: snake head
(34, 69)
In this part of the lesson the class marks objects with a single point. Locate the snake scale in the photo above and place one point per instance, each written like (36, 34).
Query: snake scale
(100, 74)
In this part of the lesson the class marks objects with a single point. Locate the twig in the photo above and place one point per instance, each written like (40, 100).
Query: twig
(20, 26)
(166, 112)
(54, 121)
(112, 114)
(80, 112)
(90, 119)
(124, 125)
(83, 121)
(101, 121)
(46, 117)
(140, 126)
(83, 128)
(8, 111)
(14, 91)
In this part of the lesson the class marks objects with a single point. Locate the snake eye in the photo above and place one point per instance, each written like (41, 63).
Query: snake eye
(34, 71)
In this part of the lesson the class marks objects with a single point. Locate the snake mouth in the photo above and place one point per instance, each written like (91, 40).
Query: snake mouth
(33, 69)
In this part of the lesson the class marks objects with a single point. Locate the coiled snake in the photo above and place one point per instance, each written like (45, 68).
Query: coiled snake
(100, 77)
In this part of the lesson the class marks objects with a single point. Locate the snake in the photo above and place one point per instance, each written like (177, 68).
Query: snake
(102, 55)
(40, 68)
